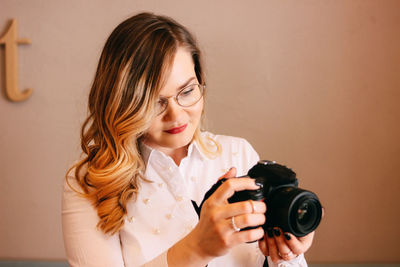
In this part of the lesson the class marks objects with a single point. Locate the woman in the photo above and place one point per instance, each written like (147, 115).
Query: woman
(130, 200)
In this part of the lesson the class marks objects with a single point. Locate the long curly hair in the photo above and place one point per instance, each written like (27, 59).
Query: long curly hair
(132, 68)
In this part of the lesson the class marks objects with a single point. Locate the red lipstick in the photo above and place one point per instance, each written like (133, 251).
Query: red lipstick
(176, 130)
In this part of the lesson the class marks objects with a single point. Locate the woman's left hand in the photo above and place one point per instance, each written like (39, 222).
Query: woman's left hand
(284, 246)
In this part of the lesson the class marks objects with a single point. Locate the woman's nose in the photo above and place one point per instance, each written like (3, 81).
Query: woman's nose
(173, 111)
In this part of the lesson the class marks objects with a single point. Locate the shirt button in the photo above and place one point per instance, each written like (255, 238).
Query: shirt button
(131, 219)
(156, 231)
(161, 185)
(169, 216)
(146, 201)
(282, 265)
(179, 198)
(193, 178)
(170, 168)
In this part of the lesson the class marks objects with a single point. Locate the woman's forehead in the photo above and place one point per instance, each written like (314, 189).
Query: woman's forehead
(181, 73)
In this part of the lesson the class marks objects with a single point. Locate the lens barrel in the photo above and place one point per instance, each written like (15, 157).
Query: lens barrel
(294, 210)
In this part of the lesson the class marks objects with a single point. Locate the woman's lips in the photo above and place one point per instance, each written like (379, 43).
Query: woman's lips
(176, 130)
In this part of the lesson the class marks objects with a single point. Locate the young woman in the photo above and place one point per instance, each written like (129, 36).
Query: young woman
(130, 200)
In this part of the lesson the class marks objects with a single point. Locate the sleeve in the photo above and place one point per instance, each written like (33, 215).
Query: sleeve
(250, 154)
(85, 245)
(299, 261)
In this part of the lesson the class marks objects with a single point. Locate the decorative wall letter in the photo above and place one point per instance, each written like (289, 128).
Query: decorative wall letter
(9, 39)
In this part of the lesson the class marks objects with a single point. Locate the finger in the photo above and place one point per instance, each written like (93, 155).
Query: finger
(229, 174)
(263, 245)
(230, 186)
(272, 248)
(249, 220)
(242, 207)
(283, 249)
(248, 235)
(257, 206)
(299, 245)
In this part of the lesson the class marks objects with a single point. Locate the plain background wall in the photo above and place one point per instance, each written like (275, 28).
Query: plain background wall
(312, 84)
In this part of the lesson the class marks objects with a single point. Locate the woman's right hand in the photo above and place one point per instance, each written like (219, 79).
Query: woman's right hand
(214, 235)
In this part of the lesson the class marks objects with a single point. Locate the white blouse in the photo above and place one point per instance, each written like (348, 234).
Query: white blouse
(162, 213)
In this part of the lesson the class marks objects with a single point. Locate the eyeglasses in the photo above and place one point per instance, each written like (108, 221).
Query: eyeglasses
(186, 97)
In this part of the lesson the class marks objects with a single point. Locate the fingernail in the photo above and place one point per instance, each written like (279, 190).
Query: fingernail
(277, 232)
(287, 236)
(269, 232)
(259, 183)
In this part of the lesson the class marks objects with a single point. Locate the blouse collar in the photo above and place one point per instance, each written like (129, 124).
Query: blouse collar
(148, 152)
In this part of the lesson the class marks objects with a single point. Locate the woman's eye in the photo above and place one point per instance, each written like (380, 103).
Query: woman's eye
(161, 102)
(187, 91)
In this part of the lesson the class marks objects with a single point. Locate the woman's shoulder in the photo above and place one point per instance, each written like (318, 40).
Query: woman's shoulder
(235, 151)
(71, 181)
(232, 145)
(228, 141)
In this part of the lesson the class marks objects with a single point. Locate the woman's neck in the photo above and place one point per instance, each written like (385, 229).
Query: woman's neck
(176, 154)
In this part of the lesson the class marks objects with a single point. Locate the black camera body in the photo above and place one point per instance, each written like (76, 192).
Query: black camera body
(289, 207)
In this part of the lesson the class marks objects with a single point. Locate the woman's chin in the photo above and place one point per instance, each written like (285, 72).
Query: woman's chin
(177, 143)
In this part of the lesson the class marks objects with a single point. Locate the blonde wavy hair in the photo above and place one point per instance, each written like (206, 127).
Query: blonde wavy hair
(132, 68)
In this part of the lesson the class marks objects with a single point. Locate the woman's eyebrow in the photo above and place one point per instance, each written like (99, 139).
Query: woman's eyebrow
(186, 83)
(183, 85)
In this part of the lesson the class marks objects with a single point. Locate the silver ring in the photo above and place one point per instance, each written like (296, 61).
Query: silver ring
(235, 228)
(253, 206)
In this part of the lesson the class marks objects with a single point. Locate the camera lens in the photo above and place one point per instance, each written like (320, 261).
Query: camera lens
(302, 214)
(294, 210)
(305, 214)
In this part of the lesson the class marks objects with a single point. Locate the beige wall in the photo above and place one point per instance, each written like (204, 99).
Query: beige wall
(312, 84)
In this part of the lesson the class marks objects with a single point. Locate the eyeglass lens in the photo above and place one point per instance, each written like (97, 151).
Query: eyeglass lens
(187, 97)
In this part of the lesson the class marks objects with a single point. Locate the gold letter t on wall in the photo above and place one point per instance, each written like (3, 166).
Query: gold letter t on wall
(9, 39)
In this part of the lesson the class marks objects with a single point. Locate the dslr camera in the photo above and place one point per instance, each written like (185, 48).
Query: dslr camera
(294, 210)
